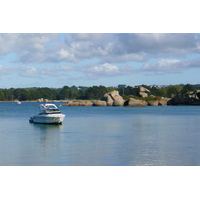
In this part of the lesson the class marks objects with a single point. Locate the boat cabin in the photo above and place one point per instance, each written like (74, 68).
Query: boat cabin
(48, 108)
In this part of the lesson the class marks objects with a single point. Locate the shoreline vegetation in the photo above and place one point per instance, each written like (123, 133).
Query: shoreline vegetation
(107, 96)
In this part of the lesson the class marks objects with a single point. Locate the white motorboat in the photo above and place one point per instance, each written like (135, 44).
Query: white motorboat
(49, 114)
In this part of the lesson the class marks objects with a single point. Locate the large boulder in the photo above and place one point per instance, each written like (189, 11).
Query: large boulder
(153, 103)
(113, 93)
(179, 99)
(99, 103)
(71, 103)
(143, 92)
(75, 103)
(40, 100)
(118, 102)
(67, 103)
(85, 103)
(140, 91)
(113, 98)
(109, 100)
(135, 103)
(162, 102)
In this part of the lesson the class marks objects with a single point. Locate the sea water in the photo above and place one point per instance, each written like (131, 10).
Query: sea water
(101, 136)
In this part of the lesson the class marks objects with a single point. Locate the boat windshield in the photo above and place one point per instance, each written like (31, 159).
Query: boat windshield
(47, 108)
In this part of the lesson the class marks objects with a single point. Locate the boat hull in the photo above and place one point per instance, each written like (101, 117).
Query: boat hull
(48, 119)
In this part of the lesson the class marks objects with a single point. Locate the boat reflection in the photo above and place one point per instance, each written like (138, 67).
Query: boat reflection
(48, 127)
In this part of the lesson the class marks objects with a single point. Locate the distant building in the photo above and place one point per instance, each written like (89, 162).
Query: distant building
(82, 88)
(122, 86)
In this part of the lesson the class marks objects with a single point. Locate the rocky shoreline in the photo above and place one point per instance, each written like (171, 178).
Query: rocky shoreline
(129, 103)
(114, 99)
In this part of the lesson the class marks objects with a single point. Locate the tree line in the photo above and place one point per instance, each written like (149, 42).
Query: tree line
(32, 94)
(94, 92)
(166, 91)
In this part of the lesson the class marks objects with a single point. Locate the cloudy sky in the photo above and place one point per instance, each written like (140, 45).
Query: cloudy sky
(81, 59)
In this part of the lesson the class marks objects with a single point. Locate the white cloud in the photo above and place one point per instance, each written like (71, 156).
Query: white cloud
(96, 71)
(8, 42)
(101, 70)
(27, 47)
(130, 47)
(171, 50)
(66, 68)
(65, 55)
(113, 48)
(15, 42)
(4, 70)
(28, 71)
(164, 66)
(157, 44)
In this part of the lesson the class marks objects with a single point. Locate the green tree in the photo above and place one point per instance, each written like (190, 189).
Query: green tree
(73, 87)
(187, 88)
(2, 97)
(81, 94)
(95, 92)
(47, 93)
(64, 93)
(172, 89)
(74, 94)
(24, 95)
(33, 94)
(9, 94)
(17, 93)
(161, 92)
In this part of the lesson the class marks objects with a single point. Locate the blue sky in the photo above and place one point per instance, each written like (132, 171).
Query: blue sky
(87, 59)
(129, 42)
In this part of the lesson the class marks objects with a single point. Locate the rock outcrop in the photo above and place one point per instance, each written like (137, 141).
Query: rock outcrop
(153, 103)
(135, 103)
(85, 103)
(71, 103)
(42, 100)
(162, 102)
(109, 100)
(99, 103)
(114, 99)
(78, 103)
(180, 99)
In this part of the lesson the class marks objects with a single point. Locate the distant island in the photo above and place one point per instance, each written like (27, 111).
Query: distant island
(121, 95)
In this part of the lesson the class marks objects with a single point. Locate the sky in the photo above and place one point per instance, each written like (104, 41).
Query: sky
(83, 43)
(88, 59)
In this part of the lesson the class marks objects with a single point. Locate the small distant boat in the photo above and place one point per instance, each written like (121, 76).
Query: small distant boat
(49, 114)
(18, 102)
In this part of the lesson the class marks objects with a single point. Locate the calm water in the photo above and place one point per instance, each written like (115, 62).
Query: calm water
(101, 136)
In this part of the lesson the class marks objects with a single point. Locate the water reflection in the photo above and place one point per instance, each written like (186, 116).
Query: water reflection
(47, 140)
(48, 127)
